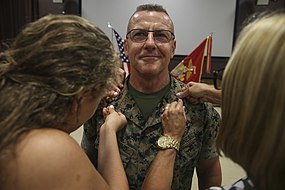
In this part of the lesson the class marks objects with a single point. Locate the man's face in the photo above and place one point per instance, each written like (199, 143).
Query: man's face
(150, 57)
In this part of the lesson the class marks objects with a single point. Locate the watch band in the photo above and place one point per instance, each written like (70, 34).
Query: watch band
(174, 143)
(167, 142)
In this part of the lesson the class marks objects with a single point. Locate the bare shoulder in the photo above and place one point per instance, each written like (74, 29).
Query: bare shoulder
(51, 159)
(48, 145)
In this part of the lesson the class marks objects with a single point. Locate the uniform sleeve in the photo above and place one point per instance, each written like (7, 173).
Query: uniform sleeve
(212, 121)
(90, 138)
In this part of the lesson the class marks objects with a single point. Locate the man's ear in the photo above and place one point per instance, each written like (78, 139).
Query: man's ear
(173, 49)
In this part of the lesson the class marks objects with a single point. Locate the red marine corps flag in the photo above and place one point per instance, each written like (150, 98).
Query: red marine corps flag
(191, 67)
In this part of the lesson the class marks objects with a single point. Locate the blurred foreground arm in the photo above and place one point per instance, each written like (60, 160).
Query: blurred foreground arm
(201, 92)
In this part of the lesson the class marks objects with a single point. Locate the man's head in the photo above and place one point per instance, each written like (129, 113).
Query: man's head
(150, 40)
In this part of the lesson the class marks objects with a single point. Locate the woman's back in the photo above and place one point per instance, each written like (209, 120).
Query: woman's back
(43, 156)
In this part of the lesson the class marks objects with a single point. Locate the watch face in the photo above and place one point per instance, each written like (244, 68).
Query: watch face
(163, 142)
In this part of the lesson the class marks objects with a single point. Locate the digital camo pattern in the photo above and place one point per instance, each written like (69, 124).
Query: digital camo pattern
(137, 140)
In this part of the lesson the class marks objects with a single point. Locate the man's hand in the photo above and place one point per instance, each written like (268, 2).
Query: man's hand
(174, 120)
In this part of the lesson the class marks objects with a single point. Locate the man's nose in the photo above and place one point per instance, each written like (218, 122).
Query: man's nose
(150, 38)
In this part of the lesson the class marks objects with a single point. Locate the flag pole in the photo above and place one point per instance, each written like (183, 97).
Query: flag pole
(112, 34)
(110, 26)
(209, 52)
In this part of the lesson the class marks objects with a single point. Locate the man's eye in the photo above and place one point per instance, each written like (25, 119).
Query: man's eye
(162, 37)
(160, 34)
(139, 33)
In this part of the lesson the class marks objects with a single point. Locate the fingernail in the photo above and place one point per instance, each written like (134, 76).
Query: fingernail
(178, 94)
(116, 93)
(111, 106)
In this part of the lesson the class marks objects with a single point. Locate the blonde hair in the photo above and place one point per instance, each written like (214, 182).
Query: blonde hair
(253, 103)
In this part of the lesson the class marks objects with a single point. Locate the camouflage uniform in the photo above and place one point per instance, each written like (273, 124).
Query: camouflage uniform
(137, 140)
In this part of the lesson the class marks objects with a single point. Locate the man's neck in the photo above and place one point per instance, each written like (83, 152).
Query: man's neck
(149, 84)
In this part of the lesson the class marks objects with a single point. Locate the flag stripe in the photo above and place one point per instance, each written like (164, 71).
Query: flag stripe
(123, 56)
(120, 43)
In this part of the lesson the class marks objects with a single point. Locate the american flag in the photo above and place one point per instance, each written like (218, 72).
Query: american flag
(123, 56)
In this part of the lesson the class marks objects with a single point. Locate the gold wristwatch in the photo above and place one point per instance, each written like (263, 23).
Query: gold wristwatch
(166, 142)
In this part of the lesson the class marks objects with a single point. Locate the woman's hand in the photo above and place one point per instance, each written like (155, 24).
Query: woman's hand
(118, 85)
(200, 92)
(113, 120)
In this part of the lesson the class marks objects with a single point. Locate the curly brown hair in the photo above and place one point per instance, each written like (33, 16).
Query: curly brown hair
(49, 62)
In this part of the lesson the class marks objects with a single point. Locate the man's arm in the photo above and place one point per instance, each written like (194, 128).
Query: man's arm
(209, 173)
(89, 141)
(208, 167)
